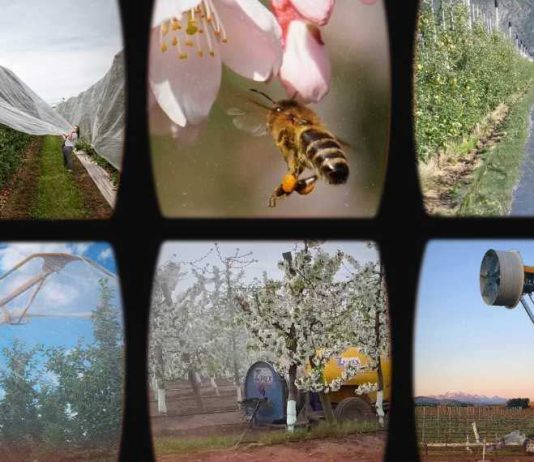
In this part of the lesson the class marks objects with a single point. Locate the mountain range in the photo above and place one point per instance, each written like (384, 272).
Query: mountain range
(459, 398)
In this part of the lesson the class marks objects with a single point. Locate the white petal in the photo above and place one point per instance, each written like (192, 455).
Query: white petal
(166, 9)
(306, 67)
(254, 47)
(184, 88)
(162, 126)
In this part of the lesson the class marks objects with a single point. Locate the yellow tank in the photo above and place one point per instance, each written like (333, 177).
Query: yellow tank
(334, 368)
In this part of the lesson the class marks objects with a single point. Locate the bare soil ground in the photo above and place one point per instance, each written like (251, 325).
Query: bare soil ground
(220, 418)
(443, 176)
(462, 455)
(94, 202)
(361, 448)
(8, 454)
(18, 196)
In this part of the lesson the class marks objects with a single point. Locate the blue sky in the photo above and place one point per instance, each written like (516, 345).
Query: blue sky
(461, 344)
(59, 47)
(71, 291)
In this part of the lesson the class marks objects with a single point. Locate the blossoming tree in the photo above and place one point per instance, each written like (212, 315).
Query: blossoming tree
(194, 331)
(311, 316)
(370, 280)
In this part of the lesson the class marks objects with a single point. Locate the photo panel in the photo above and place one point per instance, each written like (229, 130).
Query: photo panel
(269, 350)
(474, 94)
(473, 361)
(62, 356)
(269, 108)
(62, 109)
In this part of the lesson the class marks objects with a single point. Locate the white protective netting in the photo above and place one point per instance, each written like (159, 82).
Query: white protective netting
(100, 113)
(23, 110)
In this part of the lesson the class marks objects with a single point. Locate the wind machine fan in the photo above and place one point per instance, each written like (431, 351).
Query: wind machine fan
(505, 281)
(52, 263)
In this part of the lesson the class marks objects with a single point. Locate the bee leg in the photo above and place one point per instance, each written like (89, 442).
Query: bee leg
(306, 185)
(285, 188)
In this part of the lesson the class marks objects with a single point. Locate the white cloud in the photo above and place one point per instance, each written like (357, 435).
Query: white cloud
(105, 254)
(59, 47)
(72, 290)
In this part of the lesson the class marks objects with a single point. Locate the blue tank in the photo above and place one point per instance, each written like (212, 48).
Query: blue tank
(262, 382)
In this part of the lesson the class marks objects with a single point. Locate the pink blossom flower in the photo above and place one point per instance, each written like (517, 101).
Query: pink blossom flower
(190, 41)
(316, 11)
(305, 71)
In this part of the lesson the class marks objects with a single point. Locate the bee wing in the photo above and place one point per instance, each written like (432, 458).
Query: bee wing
(251, 121)
(343, 142)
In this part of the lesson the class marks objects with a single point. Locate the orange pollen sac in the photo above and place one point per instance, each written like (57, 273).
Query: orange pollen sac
(307, 189)
(289, 182)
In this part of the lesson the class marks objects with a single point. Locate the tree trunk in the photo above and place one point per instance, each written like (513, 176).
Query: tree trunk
(380, 375)
(233, 345)
(237, 381)
(214, 386)
(162, 402)
(380, 394)
(326, 404)
(196, 390)
(291, 410)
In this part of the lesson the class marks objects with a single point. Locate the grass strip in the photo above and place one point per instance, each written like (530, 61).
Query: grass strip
(57, 194)
(177, 445)
(491, 191)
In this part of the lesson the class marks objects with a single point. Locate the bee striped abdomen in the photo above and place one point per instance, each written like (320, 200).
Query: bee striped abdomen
(325, 153)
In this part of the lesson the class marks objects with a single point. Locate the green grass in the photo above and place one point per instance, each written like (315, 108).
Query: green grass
(174, 445)
(490, 192)
(58, 197)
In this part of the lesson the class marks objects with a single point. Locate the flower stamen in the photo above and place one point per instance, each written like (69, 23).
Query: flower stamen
(203, 19)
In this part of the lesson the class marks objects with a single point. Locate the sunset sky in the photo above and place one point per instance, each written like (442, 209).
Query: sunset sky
(461, 344)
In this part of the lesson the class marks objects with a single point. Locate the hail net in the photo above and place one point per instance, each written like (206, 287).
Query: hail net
(99, 111)
(23, 110)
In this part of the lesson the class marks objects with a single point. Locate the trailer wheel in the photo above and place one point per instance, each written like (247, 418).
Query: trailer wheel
(354, 408)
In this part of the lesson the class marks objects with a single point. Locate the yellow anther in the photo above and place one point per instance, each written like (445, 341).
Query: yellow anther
(165, 28)
(174, 41)
(192, 27)
(176, 25)
(163, 47)
(224, 40)
(182, 55)
(212, 53)
(200, 53)
(189, 43)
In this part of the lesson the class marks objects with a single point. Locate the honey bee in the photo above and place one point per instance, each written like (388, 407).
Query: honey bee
(304, 143)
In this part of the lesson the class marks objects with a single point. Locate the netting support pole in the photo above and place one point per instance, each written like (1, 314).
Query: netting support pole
(527, 308)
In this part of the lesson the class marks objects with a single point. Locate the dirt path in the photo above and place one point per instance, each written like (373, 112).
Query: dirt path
(443, 177)
(20, 197)
(92, 199)
(361, 448)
